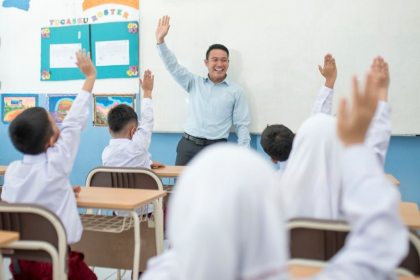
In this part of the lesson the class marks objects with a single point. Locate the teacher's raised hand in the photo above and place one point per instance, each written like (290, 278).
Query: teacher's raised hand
(162, 29)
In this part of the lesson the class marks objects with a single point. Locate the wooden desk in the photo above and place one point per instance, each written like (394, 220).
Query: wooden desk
(128, 200)
(393, 180)
(6, 237)
(3, 169)
(305, 271)
(169, 171)
(409, 208)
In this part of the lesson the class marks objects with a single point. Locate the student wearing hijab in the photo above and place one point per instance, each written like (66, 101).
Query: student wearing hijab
(244, 237)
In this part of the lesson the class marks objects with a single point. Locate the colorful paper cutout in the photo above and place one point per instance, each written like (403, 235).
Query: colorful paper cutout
(46, 75)
(19, 4)
(87, 4)
(14, 104)
(59, 105)
(132, 27)
(132, 71)
(45, 33)
(102, 103)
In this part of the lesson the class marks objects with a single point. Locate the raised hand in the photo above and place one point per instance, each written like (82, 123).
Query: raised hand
(85, 64)
(380, 71)
(329, 71)
(147, 83)
(162, 29)
(353, 124)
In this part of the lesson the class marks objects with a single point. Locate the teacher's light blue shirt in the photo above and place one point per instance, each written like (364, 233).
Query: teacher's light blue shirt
(212, 107)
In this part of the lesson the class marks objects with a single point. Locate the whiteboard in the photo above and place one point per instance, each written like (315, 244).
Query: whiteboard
(275, 48)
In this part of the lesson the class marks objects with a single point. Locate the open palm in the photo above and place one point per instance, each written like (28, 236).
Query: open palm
(162, 29)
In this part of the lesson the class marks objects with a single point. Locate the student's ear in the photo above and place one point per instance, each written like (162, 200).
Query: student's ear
(274, 161)
(50, 142)
(132, 131)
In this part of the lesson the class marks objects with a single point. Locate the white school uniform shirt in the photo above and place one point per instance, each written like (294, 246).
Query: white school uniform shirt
(133, 152)
(242, 237)
(44, 179)
(234, 243)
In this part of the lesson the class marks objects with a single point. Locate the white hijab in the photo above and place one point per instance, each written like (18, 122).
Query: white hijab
(223, 222)
(310, 186)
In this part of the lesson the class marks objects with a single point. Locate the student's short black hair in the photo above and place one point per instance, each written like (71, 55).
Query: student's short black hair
(120, 116)
(216, 47)
(277, 140)
(31, 130)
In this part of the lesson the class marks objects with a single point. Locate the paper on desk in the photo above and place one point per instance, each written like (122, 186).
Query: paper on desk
(110, 53)
(63, 55)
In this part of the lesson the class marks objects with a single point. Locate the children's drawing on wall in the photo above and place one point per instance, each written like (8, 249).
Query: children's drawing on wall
(102, 103)
(14, 104)
(59, 105)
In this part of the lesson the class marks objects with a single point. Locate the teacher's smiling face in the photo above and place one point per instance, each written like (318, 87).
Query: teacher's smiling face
(218, 64)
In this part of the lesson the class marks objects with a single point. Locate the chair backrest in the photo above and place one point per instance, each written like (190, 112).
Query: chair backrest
(124, 177)
(34, 223)
(315, 239)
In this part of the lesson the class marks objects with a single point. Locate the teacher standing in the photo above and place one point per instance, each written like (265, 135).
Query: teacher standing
(215, 102)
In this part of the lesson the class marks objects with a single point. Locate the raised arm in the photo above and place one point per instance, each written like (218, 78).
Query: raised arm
(378, 240)
(323, 102)
(242, 119)
(379, 133)
(63, 154)
(180, 73)
(143, 135)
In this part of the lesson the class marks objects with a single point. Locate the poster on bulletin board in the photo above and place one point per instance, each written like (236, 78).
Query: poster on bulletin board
(115, 49)
(58, 52)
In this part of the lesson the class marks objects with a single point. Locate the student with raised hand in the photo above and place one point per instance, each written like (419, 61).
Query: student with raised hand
(215, 102)
(379, 133)
(131, 138)
(277, 140)
(378, 241)
(42, 177)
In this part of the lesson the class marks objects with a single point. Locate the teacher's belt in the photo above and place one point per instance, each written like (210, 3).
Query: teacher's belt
(202, 141)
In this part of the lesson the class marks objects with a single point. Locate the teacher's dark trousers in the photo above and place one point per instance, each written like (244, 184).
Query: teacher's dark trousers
(187, 148)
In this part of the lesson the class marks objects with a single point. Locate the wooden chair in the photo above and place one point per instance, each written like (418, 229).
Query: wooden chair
(42, 235)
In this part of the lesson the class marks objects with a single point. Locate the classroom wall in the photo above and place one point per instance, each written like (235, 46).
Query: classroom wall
(403, 158)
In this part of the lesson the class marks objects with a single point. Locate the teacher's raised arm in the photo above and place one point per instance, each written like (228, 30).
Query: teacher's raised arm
(215, 101)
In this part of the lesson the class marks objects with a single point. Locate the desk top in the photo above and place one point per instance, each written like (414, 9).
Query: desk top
(306, 271)
(169, 171)
(7, 237)
(3, 169)
(116, 198)
(409, 208)
(393, 180)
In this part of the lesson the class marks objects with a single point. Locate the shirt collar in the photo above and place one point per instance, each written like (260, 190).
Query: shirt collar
(119, 141)
(225, 81)
(31, 159)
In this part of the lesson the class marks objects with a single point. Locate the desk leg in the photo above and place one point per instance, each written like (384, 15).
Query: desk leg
(1, 267)
(136, 258)
(158, 206)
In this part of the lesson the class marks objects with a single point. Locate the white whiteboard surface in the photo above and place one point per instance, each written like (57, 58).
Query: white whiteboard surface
(275, 48)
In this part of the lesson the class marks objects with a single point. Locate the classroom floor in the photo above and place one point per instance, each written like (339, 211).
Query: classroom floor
(101, 273)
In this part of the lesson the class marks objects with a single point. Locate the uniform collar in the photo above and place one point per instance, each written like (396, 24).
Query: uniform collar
(118, 141)
(225, 81)
(31, 159)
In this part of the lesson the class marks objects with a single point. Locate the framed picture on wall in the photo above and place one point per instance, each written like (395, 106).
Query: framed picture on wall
(102, 103)
(14, 104)
(58, 105)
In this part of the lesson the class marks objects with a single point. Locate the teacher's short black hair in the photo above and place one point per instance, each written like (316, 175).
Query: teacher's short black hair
(120, 116)
(216, 47)
(31, 130)
(277, 141)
